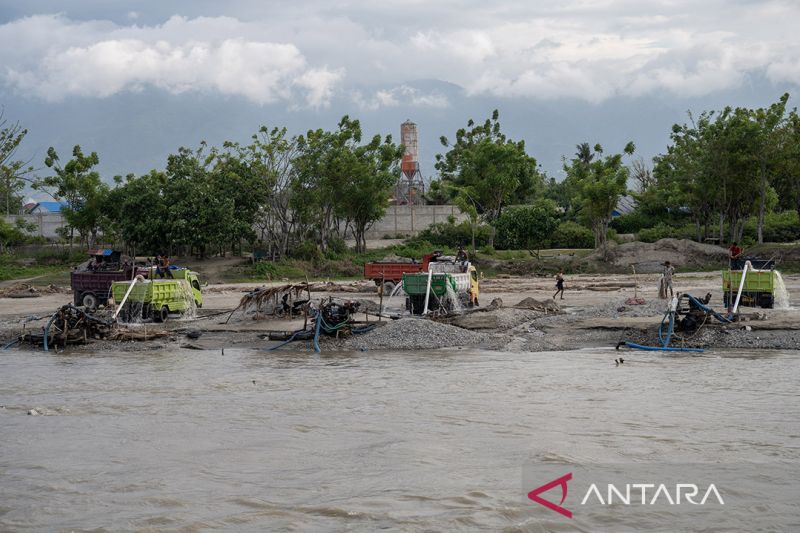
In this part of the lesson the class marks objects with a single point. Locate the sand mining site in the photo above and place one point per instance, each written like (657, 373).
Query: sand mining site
(516, 314)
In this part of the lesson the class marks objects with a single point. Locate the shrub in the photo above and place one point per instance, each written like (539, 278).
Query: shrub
(307, 250)
(572, 235)
(451, 234)
(663, 231)
(778, 227)
(527, 227)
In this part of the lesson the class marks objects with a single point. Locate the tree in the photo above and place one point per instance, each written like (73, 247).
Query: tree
(337, 181)
(787, 172)
(12, 171)
(139, 212)
(767, 150)
(272, 153)
(81, 188)
(528, 227)
(492, 169)
(600, 182)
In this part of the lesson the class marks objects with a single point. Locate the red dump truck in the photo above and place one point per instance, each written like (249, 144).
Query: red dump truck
(391, 272)
(91, 281)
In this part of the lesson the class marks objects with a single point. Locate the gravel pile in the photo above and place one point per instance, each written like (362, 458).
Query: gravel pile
(496, 320)
(617, 307)
(412, 334)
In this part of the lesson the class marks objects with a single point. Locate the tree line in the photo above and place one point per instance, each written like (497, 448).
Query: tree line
(303, 195)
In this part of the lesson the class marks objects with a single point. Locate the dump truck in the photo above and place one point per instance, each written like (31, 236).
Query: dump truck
(157, 298)
(390, 273)
(91, 281)
(758, 290)
(454, 284)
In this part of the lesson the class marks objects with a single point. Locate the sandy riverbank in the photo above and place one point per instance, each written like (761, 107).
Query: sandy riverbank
(593, 313)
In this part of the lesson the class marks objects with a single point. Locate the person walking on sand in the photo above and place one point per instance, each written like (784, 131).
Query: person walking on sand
(559, 284)
(666, 279)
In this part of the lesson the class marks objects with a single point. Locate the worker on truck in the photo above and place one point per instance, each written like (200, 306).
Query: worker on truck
(735, 256)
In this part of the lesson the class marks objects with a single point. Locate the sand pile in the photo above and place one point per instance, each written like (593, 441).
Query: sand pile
(649, 257)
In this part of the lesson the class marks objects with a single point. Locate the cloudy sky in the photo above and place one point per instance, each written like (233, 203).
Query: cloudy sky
(135, 80)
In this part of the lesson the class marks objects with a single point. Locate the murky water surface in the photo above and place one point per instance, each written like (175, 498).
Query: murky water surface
(368, 441)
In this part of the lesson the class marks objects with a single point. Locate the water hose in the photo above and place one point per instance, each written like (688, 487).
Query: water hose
(317, 349)
(741, 286)
(47, 330)
(287, 341)
(658, 348)
(12, 343)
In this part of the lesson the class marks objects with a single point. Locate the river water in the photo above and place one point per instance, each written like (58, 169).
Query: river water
(361, 442)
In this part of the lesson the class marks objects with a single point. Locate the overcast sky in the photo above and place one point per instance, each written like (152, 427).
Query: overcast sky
(320, 57)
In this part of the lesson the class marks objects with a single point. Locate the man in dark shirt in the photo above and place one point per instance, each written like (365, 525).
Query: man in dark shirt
(735, 256)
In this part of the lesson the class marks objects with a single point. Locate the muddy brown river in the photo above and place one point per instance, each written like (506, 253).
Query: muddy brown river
(289, 441)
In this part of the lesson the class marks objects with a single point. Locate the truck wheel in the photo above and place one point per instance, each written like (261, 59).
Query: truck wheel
(162, 315)
(89, 301)
(388, 287)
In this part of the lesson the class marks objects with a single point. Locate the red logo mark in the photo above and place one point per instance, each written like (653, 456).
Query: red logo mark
(534, 495)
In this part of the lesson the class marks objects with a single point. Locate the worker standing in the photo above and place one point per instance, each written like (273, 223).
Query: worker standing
(666, 280)
(462, 257)
(559, 284)
(166, 268)
(735, 256)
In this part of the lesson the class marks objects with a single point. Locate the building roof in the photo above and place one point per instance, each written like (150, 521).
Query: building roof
(626, 204)
(50, 207)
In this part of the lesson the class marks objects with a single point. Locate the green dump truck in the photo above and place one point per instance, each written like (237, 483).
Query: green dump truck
(157, 298)
(758, 291)
(453, 284)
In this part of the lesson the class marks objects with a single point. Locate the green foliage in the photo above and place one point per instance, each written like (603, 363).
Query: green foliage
(277, 270)
(528, 227)
(778, 227)
(664, 231)
(81, 188)
(600, 182)
(13, 234)
(337, 177)
(570, 234)
(12, 170)
(484, 171)
(307, 251)
(640, 219)
(724, 165)
(452, 235)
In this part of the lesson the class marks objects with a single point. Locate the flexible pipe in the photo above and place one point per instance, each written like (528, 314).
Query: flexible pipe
(741, 286)
(427, 291)
(661, 348)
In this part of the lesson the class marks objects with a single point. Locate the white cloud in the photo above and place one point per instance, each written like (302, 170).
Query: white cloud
(304, 54)
(134, 58)
(397, 96)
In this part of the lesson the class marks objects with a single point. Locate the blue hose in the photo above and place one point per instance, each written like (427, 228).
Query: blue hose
(317, 349)
(661, 349)
(287, 341)
(47, 330)
(701, 305)
(12, 343)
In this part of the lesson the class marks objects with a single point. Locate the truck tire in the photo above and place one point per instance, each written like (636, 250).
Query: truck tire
(89, 301)
(162, 314)
(388, 287)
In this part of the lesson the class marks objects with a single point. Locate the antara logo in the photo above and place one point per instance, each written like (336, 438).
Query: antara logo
(562, 481)
(628, 494)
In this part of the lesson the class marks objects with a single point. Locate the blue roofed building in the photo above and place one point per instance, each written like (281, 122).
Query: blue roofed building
(45, 207)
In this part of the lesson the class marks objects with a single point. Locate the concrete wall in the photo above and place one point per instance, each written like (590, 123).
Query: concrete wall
(411, 219)
(399, 220)
(46, 223)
